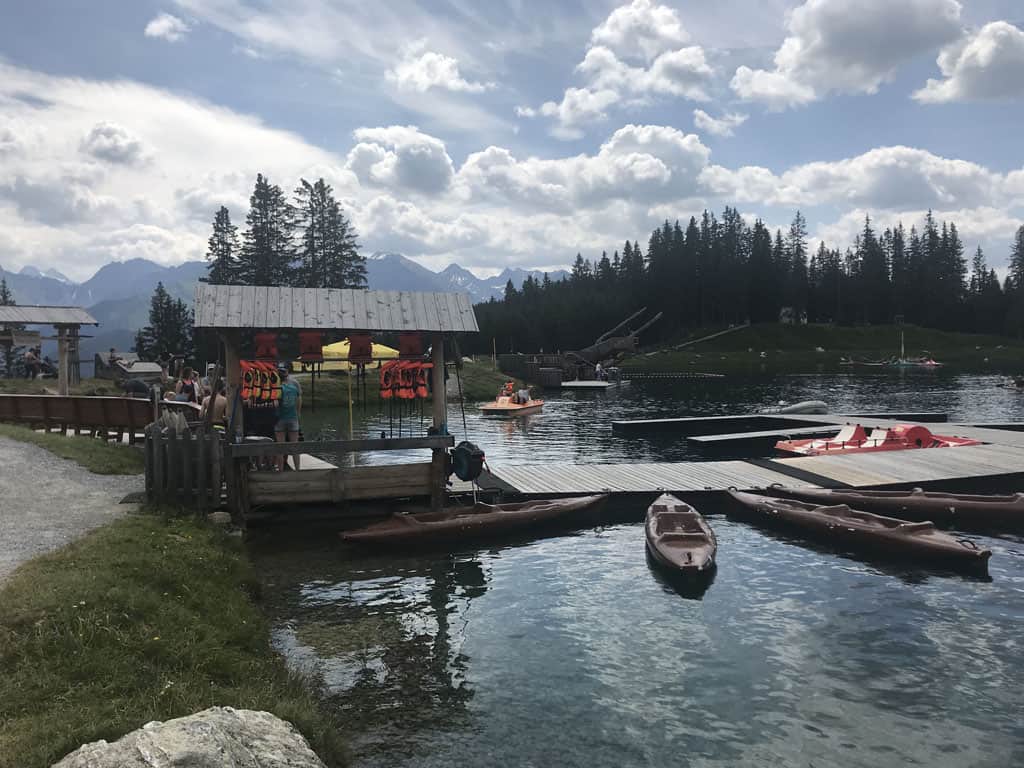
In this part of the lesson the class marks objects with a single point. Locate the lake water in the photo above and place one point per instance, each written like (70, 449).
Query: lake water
(571, 651)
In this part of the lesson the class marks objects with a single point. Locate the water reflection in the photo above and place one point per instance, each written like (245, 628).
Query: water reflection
(571, 650)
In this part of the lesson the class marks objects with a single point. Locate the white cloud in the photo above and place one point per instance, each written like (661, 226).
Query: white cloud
(848, 47)
(641, 32)
(775, 90)
(883, 178)
(986, 65)
(578, 106)
(401, 157)
(113, 143)
(420, 70)
(637, 164)
(640, 28)
(167, 27)
(718, 126)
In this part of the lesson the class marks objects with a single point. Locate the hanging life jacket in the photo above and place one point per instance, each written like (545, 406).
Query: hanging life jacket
(386, 376)
(422, 391)
(248, 376)
(406, 378)
(266, 346)
(274, 384)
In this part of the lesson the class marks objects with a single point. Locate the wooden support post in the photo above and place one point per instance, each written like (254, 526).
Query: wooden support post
(440, 413)
(62, 360)
(74, 357)
(233, 376)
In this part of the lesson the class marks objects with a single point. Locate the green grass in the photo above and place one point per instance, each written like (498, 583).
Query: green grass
(140, 620)
(479, 382)
(92, 453)
(793, 349)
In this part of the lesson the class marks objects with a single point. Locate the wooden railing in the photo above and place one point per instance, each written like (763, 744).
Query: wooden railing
(106, 417)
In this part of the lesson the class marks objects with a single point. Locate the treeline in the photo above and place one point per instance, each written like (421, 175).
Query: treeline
(304, 242)
(717, 271)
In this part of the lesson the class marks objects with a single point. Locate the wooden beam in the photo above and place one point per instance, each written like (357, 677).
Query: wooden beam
(233, 374)
(62, 360)
(439, 406)
(241, 450)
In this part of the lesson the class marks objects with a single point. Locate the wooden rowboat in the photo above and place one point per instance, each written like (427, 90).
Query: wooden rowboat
(678, 537)
(846, 527)
(480, 520)
(964, 511)
(505, 406)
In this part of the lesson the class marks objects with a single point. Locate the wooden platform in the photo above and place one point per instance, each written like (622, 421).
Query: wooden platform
(998, 465)
(598, 385)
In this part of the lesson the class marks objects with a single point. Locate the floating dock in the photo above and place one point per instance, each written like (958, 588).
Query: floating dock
(997, 466)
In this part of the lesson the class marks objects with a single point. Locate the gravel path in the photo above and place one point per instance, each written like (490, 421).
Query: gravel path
(46, 501)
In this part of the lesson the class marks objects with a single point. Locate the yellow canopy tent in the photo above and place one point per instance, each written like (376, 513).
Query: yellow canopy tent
(336, 356)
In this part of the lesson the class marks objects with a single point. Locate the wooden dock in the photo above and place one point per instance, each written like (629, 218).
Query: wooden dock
(998, 465)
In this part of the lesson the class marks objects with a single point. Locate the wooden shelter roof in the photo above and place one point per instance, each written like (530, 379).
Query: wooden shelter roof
(40, 315)
(248, 306)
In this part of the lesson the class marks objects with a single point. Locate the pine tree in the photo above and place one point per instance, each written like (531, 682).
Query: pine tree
(873, 273)
(11, 353)
(267, 255)
(329, 254)
(796, 251)
(170, 328)
(604, 271)
(1016, 273)
(222, 251)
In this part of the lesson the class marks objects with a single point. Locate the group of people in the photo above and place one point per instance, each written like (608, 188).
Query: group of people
(35, 363)
(280, 422)
(520, 397)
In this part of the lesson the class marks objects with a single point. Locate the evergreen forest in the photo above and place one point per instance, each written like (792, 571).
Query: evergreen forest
(721, 271)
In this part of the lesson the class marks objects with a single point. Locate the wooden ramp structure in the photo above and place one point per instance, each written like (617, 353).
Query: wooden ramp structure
(997, 465)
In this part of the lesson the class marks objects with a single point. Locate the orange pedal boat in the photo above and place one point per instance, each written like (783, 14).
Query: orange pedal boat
(853, 439)
(506, 406)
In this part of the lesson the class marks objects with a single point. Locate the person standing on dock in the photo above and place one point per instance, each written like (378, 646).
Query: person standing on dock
(289, 408)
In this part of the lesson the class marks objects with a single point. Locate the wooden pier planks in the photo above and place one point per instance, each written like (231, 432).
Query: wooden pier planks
(855, 470)
(640, 478)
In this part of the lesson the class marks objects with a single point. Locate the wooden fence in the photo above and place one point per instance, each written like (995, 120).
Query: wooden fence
(106, 417)
(183, 467)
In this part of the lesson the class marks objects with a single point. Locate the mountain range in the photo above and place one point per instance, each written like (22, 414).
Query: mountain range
(118, 294)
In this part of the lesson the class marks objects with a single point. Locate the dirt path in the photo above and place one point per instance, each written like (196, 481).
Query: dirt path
(46, 501)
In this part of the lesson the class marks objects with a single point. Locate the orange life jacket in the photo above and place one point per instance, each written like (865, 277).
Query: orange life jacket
(386, 380)
(410, 344)
(248, 377)
(406, 387)
(421, 380)
(311, 347)
(360, 348)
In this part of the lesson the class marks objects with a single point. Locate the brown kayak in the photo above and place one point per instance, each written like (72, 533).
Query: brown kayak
(964, 511)
(455, 525)
(678, 537)
(841, 525)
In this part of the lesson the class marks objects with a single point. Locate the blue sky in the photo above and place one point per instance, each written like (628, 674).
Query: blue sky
(503, 133)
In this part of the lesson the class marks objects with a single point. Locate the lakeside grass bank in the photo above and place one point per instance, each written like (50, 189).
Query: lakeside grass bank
(141, 620)
(794, 349)
(94, 454)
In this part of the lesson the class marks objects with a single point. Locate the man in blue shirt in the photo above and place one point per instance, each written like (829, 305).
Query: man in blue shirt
(289, 408)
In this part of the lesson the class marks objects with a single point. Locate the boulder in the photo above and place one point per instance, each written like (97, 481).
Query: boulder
(215, 737)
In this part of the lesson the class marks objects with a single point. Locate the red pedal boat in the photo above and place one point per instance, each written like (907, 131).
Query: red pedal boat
(854, 439)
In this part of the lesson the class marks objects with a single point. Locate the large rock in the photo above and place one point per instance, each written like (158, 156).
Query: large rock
(215, 737)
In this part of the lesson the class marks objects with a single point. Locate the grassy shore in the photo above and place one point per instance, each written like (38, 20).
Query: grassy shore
(794, 349)
(479, 382)
(141, 620)
(95, 455)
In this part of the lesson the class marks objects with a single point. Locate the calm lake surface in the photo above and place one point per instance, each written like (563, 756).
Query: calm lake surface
(571, 651)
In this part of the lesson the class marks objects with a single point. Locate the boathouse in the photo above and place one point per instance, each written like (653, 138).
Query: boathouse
(240, 313)
(67, 321)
